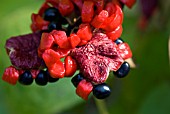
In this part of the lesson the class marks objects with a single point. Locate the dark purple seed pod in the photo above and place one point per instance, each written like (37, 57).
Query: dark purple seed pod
(22, 51)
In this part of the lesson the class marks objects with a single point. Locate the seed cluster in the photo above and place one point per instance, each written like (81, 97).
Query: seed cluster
(79, 35)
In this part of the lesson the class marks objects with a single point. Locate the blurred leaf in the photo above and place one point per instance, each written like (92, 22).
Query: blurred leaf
(34, 99)
(157, 101)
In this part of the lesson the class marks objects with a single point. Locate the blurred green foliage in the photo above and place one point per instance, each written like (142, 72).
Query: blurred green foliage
(146, 90)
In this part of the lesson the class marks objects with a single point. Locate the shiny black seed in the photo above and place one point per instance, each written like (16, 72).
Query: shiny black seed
(76, 79)
(101, 91)
(123, 70)
(26, 78)
(118, 41)
(54, 26)
(51, 14)
(41, 78)
(51, 79)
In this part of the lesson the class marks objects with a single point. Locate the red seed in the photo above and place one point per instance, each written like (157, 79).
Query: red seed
(65, 7)
(60, 38)
(57, 70)
(110, 8)
(46, 42)
(100, 19)
(70, 66)
(62, 52)
(55, 66)
(50, 57)
(124, 51)
(115, 34)
(114, 20)
(33, 27)
(38, 23)
(84, 88)
(11, 75)
(84, 32)
(74, 40)
(87, 11)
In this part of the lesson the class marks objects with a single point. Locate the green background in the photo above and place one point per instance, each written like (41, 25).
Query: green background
(146, 90)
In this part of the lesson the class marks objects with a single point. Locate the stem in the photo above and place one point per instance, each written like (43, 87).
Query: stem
(101, 106)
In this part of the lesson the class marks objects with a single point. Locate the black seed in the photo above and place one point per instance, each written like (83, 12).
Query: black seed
(52, 14)
(118, 41)
(51, 79)
(123, 70)
(101, 91)
(41, 78)
(54, 26)
(76, 79)
(26, 78)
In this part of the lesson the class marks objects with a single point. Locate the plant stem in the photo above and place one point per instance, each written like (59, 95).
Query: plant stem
(101, 106)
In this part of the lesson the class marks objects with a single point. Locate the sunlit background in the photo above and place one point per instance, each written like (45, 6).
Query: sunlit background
(146, 90)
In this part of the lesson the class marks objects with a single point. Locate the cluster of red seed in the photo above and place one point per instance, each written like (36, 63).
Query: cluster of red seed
(105, 16)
